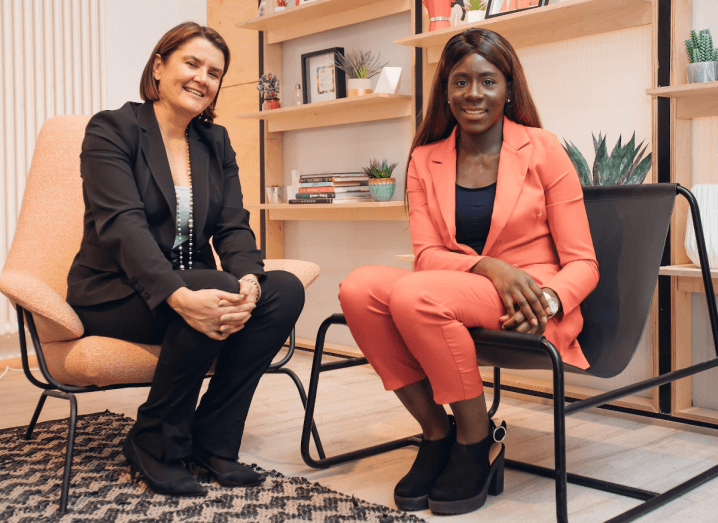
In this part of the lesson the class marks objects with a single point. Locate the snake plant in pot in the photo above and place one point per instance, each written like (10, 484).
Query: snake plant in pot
(625, 165)
(381, 184)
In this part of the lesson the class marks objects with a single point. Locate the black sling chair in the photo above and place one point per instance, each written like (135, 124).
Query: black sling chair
(629, 226)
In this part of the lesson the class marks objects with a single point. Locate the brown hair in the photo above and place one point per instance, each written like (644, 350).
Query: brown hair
(439, 121)
(168, 44)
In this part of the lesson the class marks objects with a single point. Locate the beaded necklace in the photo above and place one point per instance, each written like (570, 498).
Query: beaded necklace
(191, 221)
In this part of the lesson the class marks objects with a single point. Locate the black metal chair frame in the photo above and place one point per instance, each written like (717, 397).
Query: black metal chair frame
(59, 390)
(540, 345)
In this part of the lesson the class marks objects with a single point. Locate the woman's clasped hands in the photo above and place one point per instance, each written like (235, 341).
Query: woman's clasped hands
(526, 306)
(215, 313)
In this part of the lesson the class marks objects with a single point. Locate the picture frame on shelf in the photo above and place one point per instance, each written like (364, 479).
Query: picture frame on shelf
(322, 79)
(505, 7)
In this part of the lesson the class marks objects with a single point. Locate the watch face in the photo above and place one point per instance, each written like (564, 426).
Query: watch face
(552, 303)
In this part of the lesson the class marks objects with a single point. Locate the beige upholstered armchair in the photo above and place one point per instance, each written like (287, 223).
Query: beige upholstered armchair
(47, 238)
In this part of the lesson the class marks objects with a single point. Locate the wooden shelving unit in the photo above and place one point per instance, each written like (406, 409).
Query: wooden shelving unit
(365, 211)
(321, 15)
(367, 108)
(692, 100)
(549, 24)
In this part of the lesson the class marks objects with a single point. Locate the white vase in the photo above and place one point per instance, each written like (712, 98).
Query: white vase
(475, 16)
(358, 86)
(707, 198)
(702, 72)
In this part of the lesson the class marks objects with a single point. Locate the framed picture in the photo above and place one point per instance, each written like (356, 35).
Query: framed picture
(504, 7)
(322, 80)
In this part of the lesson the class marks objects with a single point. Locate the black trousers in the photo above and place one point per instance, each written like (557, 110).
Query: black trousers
(168, 426)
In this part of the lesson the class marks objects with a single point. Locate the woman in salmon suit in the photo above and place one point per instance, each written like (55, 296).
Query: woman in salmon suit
(501, 241)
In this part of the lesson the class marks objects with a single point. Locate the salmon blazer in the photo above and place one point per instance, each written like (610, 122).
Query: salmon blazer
(539, 222)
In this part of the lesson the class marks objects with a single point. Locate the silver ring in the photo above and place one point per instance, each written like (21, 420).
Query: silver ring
(439, 19)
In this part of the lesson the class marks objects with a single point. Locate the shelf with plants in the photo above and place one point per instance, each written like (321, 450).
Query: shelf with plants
(391, 211)
(321, 15)
(367, 108)
(697, 100)
(549, 24)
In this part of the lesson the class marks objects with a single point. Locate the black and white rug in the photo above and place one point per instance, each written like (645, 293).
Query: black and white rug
(101, 488)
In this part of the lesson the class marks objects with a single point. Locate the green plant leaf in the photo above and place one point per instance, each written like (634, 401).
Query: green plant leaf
(579, 162)
(600, 159)
(639, 174)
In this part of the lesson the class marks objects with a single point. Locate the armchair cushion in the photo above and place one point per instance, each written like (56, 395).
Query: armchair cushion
(54, 318)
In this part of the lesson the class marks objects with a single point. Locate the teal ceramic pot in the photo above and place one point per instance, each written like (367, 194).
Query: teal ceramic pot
(382, 189)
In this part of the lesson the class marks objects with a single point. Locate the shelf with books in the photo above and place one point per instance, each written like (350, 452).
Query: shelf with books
(367, 108)
(692, 100)
(321, 15)
(552, 23)
(366, 211)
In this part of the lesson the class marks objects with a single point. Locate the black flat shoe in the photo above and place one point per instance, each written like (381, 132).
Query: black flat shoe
(170, 478)
(412, 491)
(228, 473)
(473, 472)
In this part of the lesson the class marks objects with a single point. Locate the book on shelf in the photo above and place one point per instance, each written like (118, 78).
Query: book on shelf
(307, 185)
(310, 190)
(333, 177)
(315, 195)
(351, 188)
(310, 201)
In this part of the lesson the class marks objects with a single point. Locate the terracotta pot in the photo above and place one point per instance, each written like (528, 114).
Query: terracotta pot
(271, 103)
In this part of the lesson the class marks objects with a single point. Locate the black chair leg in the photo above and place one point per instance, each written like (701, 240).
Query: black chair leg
(36, 414)
(317, 368)
(303, 396)
(497, 392)
(559, 423)
(70, 443)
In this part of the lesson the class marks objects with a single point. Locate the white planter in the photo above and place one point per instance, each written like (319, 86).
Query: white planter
(475, 16)
(707, 198)
(358, 86)
(278, 9)
(702, 72)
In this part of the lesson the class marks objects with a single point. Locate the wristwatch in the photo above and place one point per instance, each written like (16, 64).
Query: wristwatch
(552, 304)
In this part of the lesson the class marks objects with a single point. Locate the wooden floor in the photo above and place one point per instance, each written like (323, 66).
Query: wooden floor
(354, 410)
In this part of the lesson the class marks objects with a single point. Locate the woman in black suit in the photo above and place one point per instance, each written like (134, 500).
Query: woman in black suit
(159, 180)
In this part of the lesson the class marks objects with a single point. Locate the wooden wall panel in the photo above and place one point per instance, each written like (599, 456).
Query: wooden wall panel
(222, 15)
(244, 135)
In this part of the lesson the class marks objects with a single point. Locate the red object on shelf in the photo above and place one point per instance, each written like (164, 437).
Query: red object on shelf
(440, 9)
(271, 103)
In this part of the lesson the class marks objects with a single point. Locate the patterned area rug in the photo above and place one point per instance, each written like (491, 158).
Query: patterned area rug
(101, 489)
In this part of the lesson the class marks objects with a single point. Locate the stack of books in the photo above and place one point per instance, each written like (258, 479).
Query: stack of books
(332, 188)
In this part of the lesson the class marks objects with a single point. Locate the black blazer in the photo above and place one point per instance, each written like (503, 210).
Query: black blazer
(131, 208)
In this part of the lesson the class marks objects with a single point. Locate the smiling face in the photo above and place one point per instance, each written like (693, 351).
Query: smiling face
(477, 92)
(188, 80)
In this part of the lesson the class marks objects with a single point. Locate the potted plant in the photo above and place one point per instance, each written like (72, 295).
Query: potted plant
(624, 166)
(476, 11)
(360, 68)
(269, 87)
(704, 59)
(381, 184)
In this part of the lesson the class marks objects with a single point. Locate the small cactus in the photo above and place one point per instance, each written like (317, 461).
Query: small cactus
(700, 47)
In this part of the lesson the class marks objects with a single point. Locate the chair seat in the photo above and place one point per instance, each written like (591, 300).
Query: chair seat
(100, 361)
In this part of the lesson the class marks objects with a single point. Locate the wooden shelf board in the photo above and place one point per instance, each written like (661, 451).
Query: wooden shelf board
(688, 271)
(692, 100)
(321, 15)
(365, 108)
(344, 350)
(698, 414)
(549, 24)
(359, 211)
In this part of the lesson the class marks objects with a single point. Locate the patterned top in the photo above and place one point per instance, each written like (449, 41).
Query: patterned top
(183, 234)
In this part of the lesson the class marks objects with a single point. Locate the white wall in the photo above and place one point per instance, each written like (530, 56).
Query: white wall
(132, 28)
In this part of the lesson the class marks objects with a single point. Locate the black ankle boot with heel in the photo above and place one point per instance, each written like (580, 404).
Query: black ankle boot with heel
(473, 472)
(412, 491)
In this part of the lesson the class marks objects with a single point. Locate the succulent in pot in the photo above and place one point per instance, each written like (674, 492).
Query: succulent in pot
(360, 68)
(381, 184)
(703, 58)
(625, 165)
